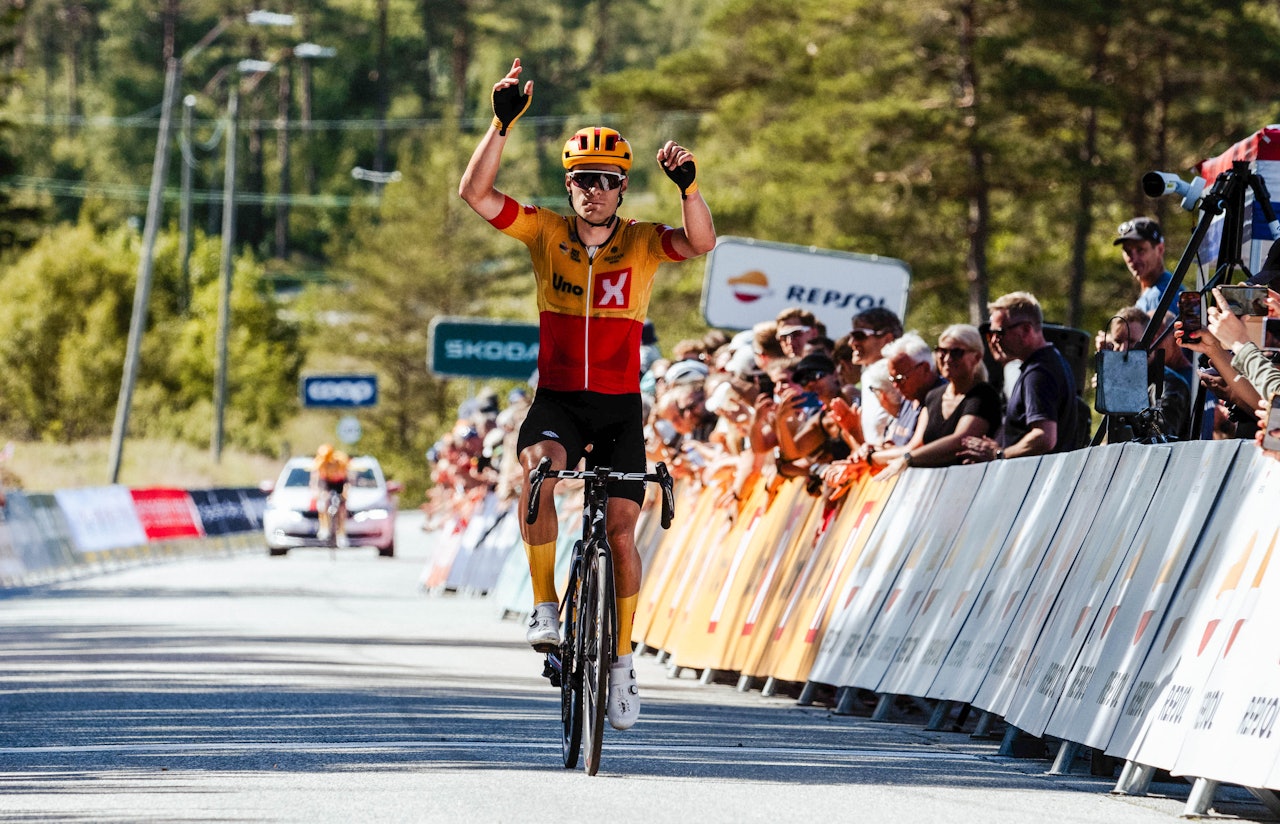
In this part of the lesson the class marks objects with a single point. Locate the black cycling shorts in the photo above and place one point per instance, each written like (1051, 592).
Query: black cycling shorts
(612, 424)
(335, 486)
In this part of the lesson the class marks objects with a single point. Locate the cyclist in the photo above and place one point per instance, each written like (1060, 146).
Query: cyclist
(595, 273)
(329, 474)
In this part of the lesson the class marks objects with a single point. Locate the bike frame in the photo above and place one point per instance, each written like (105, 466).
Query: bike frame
(588, 611)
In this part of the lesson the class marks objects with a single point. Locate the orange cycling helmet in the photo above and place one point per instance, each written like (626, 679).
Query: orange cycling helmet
(597, 144)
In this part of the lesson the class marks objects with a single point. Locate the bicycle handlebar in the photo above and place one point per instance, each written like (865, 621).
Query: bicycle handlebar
(600, 476)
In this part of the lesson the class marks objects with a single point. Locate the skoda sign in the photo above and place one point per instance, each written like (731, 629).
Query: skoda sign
(339, 390)
(478, 348)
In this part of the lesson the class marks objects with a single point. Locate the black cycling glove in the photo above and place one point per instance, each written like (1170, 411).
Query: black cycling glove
(683, 176)
(508, 104)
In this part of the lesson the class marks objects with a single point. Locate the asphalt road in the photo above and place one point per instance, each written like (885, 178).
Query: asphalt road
(323, 689)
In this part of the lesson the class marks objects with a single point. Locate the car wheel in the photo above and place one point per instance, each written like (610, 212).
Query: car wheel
(388, 551)
(277, 551)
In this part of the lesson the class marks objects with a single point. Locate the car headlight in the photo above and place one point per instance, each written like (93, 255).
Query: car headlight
(371, 515)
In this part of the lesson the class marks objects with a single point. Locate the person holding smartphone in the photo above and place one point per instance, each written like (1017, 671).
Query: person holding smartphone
(1246, 374)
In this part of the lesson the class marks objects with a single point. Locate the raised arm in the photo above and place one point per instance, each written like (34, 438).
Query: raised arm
(478, 187)
(698, 234)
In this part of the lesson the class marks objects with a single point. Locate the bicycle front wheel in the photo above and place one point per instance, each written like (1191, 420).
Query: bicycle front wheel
(571, 670)
(598, 606)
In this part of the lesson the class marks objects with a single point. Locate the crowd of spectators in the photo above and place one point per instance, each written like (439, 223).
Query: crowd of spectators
(791, 398)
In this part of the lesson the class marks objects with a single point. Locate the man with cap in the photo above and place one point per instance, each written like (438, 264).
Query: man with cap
(804, 431)
(1142, 243)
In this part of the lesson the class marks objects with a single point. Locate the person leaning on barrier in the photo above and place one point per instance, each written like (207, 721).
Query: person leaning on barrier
(966, 405)
(1041, 414)
(872, 330)
(915, 374)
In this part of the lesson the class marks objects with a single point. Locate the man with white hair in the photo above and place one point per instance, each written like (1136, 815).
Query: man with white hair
(913, 371)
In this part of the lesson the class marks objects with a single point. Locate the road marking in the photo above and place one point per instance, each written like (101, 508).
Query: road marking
(354, 746)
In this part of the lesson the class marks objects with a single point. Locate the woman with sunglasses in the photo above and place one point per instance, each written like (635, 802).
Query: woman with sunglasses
(966, 405)
(595, 273)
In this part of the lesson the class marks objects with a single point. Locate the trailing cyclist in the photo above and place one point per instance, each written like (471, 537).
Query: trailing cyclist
(595, 273)
(329, 474)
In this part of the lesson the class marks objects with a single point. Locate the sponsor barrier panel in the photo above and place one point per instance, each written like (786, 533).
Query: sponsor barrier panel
(761, 624)
(838, 552)
(1112, 527)
(1233, 735)
(984, 529)
(166, 513)
(691, 641)
(693, 541)
(904, 516)
(230, 510)
(1105, 673)
(101, 517)
(1213, 596)
(887, 638)
(11, 565)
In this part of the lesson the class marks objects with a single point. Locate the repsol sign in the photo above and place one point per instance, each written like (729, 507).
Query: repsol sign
(832, 298)
(477, 348)
(340, 390)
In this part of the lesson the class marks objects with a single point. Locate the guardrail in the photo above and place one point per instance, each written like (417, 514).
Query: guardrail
(1122, 598)
(48, 535)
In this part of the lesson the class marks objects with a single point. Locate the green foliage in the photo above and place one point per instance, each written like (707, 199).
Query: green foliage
(63, 344)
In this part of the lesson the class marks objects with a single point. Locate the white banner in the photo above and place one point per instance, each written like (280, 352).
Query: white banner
(1112, 525)
(887, 640)
(1233, 735)
(864, 590)
(1037, 586)
(978, 644)
(1105, 674)
(990, 517)
(101, 517)
(1195, 627)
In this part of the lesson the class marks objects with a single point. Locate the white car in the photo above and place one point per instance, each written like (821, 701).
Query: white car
(291, 520)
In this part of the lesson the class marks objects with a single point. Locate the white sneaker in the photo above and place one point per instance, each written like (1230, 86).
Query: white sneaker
(342, 540)
(544, 627)
(322, 534)
(624, 697)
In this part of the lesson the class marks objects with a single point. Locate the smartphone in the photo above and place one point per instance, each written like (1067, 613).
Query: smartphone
(1189, 314)
(1246, 300)
(766, 384)
(810, 402)
(1271, 437)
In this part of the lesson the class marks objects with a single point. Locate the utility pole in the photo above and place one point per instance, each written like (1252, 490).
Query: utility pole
(228, 242)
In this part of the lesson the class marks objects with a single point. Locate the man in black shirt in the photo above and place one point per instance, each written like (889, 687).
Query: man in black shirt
(1040, 417)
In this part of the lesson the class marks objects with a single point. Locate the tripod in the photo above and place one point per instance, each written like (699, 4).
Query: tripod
(1227, 198)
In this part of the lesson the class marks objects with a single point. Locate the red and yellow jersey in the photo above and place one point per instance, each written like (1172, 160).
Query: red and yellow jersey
(591, 308)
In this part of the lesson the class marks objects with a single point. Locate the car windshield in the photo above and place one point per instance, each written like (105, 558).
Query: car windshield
(298, 476)
(364, 478)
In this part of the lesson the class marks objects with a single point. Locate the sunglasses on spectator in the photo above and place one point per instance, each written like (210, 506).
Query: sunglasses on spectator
(809, 377)
(894, 378)
(954, 352)
(604, 181)
(862, 334)
(999, 333)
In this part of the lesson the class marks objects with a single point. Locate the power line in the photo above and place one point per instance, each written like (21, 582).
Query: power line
(127, 191)
(151, 122)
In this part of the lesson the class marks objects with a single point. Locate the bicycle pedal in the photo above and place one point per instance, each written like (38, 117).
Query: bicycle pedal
(546, 647)
(551, 672)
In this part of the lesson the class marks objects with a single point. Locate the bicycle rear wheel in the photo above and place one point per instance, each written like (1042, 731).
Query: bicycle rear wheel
(598, 653)
(571, 671)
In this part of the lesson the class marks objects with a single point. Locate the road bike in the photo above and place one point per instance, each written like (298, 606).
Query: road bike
(333, 508)
(588, 612)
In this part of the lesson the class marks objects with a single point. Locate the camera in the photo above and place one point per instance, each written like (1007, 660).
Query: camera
(1159, 184)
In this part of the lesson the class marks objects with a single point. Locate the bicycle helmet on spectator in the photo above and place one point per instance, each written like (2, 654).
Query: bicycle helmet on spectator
(597, 144)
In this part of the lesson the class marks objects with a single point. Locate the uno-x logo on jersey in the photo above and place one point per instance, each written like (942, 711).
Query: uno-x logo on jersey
(612, 290)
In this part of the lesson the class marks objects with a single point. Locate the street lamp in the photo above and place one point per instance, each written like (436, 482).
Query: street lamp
(258, 68)
(155, 198)
(305, 52)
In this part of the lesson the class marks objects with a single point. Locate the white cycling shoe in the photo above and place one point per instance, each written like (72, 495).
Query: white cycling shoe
(544, 627)
(624, 697)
